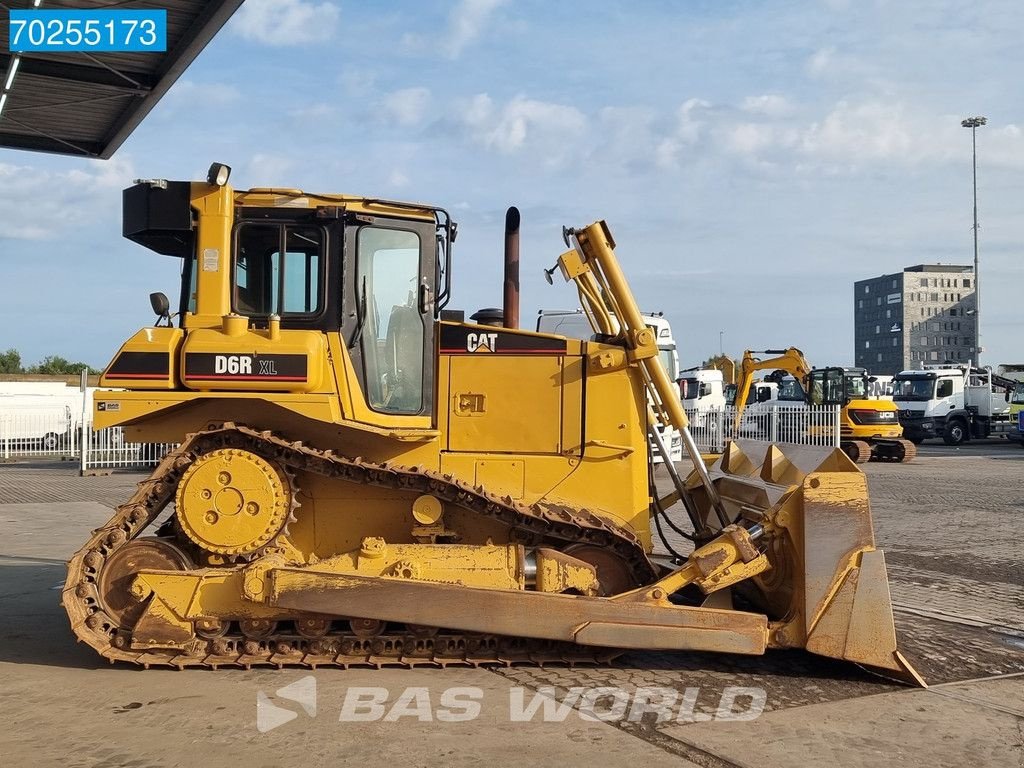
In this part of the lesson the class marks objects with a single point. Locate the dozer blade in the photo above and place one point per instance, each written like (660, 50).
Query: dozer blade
(827, 590)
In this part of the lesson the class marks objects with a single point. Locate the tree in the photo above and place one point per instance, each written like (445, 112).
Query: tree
(55, 365)
(729, 367)
(10, 362)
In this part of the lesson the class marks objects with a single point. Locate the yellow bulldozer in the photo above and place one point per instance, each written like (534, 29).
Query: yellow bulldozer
(364, 477)
(869, 430)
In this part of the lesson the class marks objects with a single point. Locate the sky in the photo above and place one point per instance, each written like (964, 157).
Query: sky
(752, 159)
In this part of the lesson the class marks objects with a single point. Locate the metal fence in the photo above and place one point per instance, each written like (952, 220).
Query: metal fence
(107, 449)
(803, 425)
(58, 433)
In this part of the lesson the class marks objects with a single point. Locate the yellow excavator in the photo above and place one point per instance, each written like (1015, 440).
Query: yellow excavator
(364, 477)
(868, 429)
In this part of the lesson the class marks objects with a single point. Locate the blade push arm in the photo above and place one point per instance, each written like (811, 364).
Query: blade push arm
(603, 289)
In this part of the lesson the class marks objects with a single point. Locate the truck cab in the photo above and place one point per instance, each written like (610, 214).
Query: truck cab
(702, 390)
(956, 403)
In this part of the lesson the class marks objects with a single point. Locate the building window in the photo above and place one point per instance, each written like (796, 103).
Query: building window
(860, 303)
(879, 357)
(934, 355)
(879, 302)
(867, 289)
(967, 283)
(894, 341)
(878, 329)
(867, 345)
(952, 313)
(924, 341)
(888, 314)
(893, 283)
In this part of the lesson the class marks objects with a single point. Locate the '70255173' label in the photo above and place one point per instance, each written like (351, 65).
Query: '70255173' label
(37, 30)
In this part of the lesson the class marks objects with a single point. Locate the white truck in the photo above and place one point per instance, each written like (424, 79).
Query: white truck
(574, 324)
(956, 403)
(702, 389)
(34, 423)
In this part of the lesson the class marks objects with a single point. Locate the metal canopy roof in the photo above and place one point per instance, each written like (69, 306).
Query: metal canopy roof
(87, 104)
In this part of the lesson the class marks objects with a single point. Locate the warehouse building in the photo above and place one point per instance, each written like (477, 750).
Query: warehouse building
(924, 314)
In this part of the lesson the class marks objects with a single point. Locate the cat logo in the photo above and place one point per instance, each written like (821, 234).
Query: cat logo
(481, 342)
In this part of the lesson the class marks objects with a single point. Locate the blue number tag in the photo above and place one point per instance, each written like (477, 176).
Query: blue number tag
(87, 30)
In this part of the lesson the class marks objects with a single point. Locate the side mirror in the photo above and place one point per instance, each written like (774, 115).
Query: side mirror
(161, 307)
(764, 395)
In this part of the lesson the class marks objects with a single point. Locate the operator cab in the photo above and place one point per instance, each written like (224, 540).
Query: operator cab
(837, 385)
(374, 272)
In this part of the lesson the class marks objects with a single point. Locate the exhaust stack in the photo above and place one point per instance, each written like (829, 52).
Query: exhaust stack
(511, 293)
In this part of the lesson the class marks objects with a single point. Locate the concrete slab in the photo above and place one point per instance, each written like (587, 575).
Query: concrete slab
(919, 728)
(115, 716)
(29, 529)
(1006, 694)
(62, 706)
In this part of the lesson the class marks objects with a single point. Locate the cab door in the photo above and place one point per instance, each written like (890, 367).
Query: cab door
(388, 320)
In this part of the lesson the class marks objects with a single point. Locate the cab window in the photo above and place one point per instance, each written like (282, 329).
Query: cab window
(393, 334)
(944, 388)
(278, 270)
(826, 387)
(791, 391)
(856, 387)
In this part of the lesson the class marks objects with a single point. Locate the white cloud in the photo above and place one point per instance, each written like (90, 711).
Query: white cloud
(687, 132)
(398, 179)
(751, 138)
(286, 22)
(768, 104)
(45, 205)
(407, 106)
(864, 131)
(523, 122)
(267, 170)
(193, 94)
(853, 134)
(820, 61)
(316, 111)
(466, 22)
(357, 82)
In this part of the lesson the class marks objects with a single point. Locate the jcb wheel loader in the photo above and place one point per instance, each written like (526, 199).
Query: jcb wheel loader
(365, 478)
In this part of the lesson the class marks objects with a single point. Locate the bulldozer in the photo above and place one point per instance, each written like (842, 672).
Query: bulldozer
(366, 478)
(869, 430)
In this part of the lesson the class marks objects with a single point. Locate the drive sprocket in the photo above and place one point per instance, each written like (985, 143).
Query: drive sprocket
(233, 502)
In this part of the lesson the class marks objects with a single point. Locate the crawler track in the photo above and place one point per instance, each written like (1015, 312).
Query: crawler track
(337, 645)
